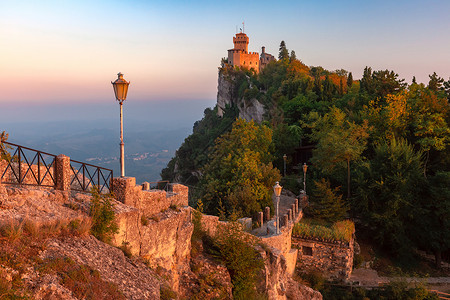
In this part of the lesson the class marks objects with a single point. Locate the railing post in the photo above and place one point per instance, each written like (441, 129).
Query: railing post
(20, 165)
(62, 172)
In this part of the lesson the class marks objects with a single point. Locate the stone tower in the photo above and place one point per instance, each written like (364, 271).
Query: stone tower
(239, 55)
(241, 42)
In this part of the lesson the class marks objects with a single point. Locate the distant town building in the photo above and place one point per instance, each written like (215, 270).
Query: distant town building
(240, 57)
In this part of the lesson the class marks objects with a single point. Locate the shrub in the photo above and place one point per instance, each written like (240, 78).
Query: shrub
(339, 231)
(144, 220)
(237, 250)
(103, 216)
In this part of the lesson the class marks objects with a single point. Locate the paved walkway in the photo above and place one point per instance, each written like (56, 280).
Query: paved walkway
(269, 228)
(370, 278)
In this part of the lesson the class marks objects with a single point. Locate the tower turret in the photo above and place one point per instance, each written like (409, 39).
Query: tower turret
(241, 42)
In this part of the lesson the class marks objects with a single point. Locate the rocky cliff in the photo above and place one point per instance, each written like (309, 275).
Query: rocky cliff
(44, 237)
(228, 95)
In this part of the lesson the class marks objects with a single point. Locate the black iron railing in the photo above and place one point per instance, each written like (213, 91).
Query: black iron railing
(28, 166)
(86, 176)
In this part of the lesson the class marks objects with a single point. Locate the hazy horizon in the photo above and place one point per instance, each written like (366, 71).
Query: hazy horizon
(90, 132)
(66, 51)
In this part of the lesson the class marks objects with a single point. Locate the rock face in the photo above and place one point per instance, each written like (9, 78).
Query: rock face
(227, 95)
(155, 225)
(133, 278)
(279, 282)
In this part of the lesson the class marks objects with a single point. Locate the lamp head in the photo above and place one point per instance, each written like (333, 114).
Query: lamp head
(120, 88)
(277, 189)
(305, 167)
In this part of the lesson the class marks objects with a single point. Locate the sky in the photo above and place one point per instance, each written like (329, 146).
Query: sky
(68, 52)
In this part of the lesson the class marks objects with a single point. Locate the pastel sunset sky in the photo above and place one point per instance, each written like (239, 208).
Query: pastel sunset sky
(66, 51)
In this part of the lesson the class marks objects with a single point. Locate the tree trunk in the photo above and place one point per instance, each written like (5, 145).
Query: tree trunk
(348, 178)
(437, 258)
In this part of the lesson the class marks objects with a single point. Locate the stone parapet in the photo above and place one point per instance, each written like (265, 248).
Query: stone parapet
(149, 202)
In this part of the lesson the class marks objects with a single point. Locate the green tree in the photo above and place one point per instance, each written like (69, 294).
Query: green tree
(350, 80)
(433, 216)
(366, 82)
(326, 203)
(284, 53)
(435, 83)
(447, 88)
(387, 188)
(328, 89)
(293, 57)
(338, 141)
(239, 173)
(429, 117)
(387, 82)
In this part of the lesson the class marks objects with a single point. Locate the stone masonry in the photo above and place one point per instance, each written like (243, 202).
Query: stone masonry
(333, 260)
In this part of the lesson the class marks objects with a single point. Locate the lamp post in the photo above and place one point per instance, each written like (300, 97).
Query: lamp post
(284, 160)
(120, 90)
(305, 167)
(277, 190)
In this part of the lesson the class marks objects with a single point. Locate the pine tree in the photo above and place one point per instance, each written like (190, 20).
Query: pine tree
(435, 82)
(284, 53)
(326, 204)
(293, 57)
(350, 80)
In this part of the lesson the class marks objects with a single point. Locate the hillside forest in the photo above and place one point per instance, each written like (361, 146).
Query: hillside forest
(380, 151)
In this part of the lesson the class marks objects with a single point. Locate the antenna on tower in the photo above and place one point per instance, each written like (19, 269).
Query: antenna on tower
(243, 27)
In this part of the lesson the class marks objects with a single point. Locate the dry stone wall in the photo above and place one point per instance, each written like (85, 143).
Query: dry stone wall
(333, 260)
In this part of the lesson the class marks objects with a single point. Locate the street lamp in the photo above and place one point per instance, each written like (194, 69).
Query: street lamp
(284, 159)
(305, 167)
(277, 190)
(120, 90)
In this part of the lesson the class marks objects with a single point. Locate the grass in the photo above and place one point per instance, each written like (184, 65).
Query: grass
(341, 231)
(21, 243)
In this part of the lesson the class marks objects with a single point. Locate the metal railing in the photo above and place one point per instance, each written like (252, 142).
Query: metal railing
(87, 176)
(27, 166)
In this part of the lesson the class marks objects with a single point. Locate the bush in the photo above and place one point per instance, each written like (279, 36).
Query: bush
(339, 231)
(237, 251)
(103, 216)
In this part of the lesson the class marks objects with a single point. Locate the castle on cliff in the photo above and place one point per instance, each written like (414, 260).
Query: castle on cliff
(240, 57)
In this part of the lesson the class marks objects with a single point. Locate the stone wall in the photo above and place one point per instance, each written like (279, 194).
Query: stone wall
(333, 260)
(149, 202)
(155, 225)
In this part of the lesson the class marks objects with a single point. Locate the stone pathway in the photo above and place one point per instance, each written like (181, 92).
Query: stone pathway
(269, 227)
(370, 278)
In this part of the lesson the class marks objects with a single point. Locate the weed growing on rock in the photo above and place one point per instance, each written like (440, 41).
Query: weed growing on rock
(237, 250)
(103, 216)
(144, 220)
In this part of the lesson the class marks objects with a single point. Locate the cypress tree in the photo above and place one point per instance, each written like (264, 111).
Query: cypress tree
(350, 80)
